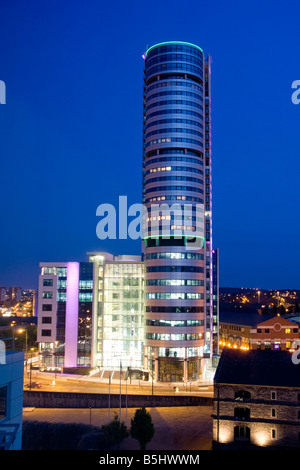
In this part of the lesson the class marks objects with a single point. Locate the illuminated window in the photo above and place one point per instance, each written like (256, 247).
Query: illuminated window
(242, 395)
(47, 295)
(287, 330)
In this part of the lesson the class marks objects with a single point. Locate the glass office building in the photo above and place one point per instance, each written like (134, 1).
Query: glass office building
(177, 178)
(92, 313)
(119, 311)
(65, 314)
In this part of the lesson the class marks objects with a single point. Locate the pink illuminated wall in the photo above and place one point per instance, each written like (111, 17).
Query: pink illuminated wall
(71, 332)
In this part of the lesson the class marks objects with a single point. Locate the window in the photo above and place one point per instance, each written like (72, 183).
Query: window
(48, 270)
(273, 413)
(48, 282)
(62, 272)
(47, 307)
(3, 402)
(242, 414)
(267, 330)
(242, 395)
(241, 433)
(298, 414)
(287, 330)
(258, 330)
(273, 431)
(46, 332)
(47, 295)
(273, 395)
(46, 320)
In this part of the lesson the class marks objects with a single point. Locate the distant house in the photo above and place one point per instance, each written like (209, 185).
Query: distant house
(254, 331)
(256, 400)
(275, 333)
(235, 329)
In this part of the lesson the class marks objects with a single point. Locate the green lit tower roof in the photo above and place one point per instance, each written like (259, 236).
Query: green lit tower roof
(173, 42)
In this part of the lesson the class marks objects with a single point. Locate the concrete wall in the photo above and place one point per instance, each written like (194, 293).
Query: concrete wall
(85, 400)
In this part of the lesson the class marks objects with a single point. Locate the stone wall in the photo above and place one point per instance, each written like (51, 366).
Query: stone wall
(273, 421)
(41, 399)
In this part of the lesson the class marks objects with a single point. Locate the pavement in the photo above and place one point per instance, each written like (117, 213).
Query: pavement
(176, 428)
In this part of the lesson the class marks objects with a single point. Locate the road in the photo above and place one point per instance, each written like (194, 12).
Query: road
(65, 383)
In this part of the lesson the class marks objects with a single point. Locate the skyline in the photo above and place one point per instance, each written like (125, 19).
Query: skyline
(59, 131)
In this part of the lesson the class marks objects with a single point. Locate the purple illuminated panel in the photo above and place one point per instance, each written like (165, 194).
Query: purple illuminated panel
(71, 335)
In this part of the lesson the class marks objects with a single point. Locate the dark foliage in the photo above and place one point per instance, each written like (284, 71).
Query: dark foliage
(61, 436)
(142, 428)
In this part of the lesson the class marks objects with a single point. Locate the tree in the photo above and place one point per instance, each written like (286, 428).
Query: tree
(274, 310)
(116, 431)
(265, 310)
(142, 428)
(282, 310)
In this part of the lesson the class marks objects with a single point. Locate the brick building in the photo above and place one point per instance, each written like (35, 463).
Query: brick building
(276, 333)
(256, 400)
(254, 331)
(235, 329)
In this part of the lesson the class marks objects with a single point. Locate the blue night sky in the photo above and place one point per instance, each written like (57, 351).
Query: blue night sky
(71, 131)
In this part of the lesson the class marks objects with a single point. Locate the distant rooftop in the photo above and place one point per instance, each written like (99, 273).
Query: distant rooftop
(257, 367)
(240, 318)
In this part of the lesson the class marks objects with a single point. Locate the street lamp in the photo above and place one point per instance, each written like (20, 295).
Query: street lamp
(31, 349)
(26, 345)
(55, 359)
(152, 354)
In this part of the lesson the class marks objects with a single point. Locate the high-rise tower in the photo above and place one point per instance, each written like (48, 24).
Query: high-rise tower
(177, 176)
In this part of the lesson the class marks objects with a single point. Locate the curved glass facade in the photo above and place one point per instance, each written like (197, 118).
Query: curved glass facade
(174, 178)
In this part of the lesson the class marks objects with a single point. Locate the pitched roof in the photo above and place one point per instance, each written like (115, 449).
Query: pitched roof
(257, 367)
(280, 320)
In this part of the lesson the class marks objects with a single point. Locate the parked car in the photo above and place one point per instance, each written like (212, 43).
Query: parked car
(33, 385)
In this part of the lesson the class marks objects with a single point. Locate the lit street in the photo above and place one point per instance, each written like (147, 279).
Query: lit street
(84, 384)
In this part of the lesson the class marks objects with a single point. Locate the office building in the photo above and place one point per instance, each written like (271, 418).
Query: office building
(14, 294)
(92, 313)
(2, 294)
(181, 318)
